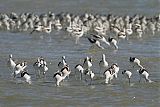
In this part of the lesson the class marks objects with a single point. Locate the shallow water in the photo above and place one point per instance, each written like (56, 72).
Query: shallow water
(74, 92)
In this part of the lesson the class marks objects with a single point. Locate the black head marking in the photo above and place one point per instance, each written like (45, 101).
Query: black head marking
(59, 63)
(23, 73)
(115, 64)
(92, 40)
(86, 71)
(131, 59)
(78, 65)
(97, 36)
(57, 73)
(84, 60)
(142, 70)
(90, 59)
(67, 68)
(110, 39)
(36, 63)
(123, 71)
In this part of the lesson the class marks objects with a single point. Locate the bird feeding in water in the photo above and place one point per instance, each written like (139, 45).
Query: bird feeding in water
(19, 68)
(101, 38)
(136, 61)
(95, 42)
(113, 41)
(91, 75)
(109, 74)
(61, 75)
(127, 74)
(26, 76)
(143, 73)
(115, 69)
(80, 69)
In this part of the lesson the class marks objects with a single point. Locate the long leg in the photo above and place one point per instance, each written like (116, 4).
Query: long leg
(129, 80)
(80, 76)
(109, 81)
(75, 73)
(140, 79)
(100, 71)
(91, 81)
(77, 40)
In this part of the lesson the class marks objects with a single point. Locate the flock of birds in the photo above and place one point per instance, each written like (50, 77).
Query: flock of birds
(84, 70)
(95, 27)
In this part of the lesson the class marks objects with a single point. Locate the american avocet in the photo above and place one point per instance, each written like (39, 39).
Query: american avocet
(103, 64)
(57, 25)
(66, 71)
(127, 74)
(135, 61)
(62, 63)
(11, 63)
(47, 29)
(115, 69)
(19, 68)
(59, 77)
(122, 34)
(139, 30)
(41, 28)
(152, 27)
(80, 69)
(129, 30)
(77, 33)
(95, 42)
(89, 73)
(109, 73)
(101, 38)
(27, 77)
(37, 28)
(115, 29)
(113, 41)
(87, 64)
(99, 30)
(43, 68)
(144, 74)
(37, 64)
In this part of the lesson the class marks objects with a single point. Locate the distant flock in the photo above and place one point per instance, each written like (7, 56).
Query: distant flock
(95, 27)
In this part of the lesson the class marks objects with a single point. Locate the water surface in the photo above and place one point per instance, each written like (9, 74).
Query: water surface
(73, 92)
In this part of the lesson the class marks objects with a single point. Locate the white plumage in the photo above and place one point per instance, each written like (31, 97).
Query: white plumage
(127, 74)
(115, 69)
(87, 63)
(136, 61)
(11, 63)
(144, 74)
(108, 75)
(26, 76)
(80, 69)
(103, 64)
